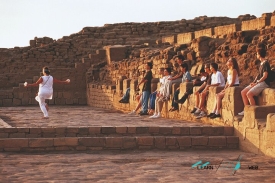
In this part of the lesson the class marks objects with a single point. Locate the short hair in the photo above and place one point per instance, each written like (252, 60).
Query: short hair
(202, 70)
(161, 69)
(261, 52)
(214, 65)
(184, 65)
(168, 70)
(181, 57)
(150, 64)
(46, 70)
(207, 66)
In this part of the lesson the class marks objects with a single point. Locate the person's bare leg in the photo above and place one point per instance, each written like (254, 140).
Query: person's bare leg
(138, 106)
(197, 100)
(250, 98)
(219, 102)
(244, 96)
(202, 100)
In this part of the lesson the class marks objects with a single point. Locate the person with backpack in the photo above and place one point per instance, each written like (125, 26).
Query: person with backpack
(260, 82)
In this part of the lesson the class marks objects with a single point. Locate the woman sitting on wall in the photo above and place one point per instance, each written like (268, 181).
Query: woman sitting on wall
(163, 94)
(232, 80)
(45, 91)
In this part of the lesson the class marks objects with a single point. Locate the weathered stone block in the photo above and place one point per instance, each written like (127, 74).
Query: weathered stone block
(40, 142)
(160, 142)
(145, 141)
(114, 142)
(217, 141)
(92, 141)
(195, 130)
(199, 141)
(65, 141)
(108, 130)
(184, 141)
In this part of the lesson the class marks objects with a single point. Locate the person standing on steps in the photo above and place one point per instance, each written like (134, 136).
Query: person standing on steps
(146, 89)
(45, 90)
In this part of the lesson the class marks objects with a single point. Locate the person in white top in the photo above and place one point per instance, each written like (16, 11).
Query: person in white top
(163, 93)
(232, 80)
(45, 91)
(217, 79)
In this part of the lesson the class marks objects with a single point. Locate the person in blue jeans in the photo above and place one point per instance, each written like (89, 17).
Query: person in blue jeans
(125, 97)
(146, 89)
(152, 97)
(186, 77)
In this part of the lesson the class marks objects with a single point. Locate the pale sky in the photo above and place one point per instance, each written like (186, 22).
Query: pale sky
(22, 20)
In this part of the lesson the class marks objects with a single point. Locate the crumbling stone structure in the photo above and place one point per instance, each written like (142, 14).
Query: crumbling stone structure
(102, 62)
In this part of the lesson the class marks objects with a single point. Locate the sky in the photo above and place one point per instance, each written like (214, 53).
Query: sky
(22, 20)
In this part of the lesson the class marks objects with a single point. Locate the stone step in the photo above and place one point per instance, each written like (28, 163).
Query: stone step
(119, 143)
(113, 131)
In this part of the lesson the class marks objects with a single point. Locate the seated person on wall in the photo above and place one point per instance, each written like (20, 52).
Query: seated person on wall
(217, 79)
(196, 82)
(125, 98)
(139, 99)
(163, 93)
(146, 90)
(206, 82)
(152, 97)
(260, 82)
(232, 80)
(177, 78)
(186, 77)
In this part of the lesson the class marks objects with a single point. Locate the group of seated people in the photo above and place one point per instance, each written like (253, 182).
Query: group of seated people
(209, 76)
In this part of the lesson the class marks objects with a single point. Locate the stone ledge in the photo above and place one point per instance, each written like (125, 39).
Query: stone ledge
(108, 143)
(113, 131)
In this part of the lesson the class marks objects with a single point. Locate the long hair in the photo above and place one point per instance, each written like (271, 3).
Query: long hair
(235, 65)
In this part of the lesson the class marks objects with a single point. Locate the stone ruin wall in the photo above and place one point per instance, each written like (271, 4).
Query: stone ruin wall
(255, 130)
(87, 58)
(87, 47)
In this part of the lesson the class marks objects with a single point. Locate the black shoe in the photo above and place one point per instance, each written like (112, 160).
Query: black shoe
(215, 116)
(181, 101)
(210, 115)
(143, 113)
(194, 110)
(173, 109)
(123, 101)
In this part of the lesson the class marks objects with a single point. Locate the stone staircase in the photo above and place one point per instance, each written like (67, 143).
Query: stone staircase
(117, 138)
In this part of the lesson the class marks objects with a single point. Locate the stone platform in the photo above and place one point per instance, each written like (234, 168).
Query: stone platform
(86, 128)
(133, 166)
(85, 144)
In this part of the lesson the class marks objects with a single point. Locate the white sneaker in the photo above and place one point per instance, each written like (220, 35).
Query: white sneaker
(241, 113)
(197, 112)
(155, 114)
(202, 114)
(132, 112)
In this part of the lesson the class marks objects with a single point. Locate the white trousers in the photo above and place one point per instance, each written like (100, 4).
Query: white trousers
(42, 96)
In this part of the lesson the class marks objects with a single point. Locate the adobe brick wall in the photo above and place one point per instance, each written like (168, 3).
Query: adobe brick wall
(255, 129)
